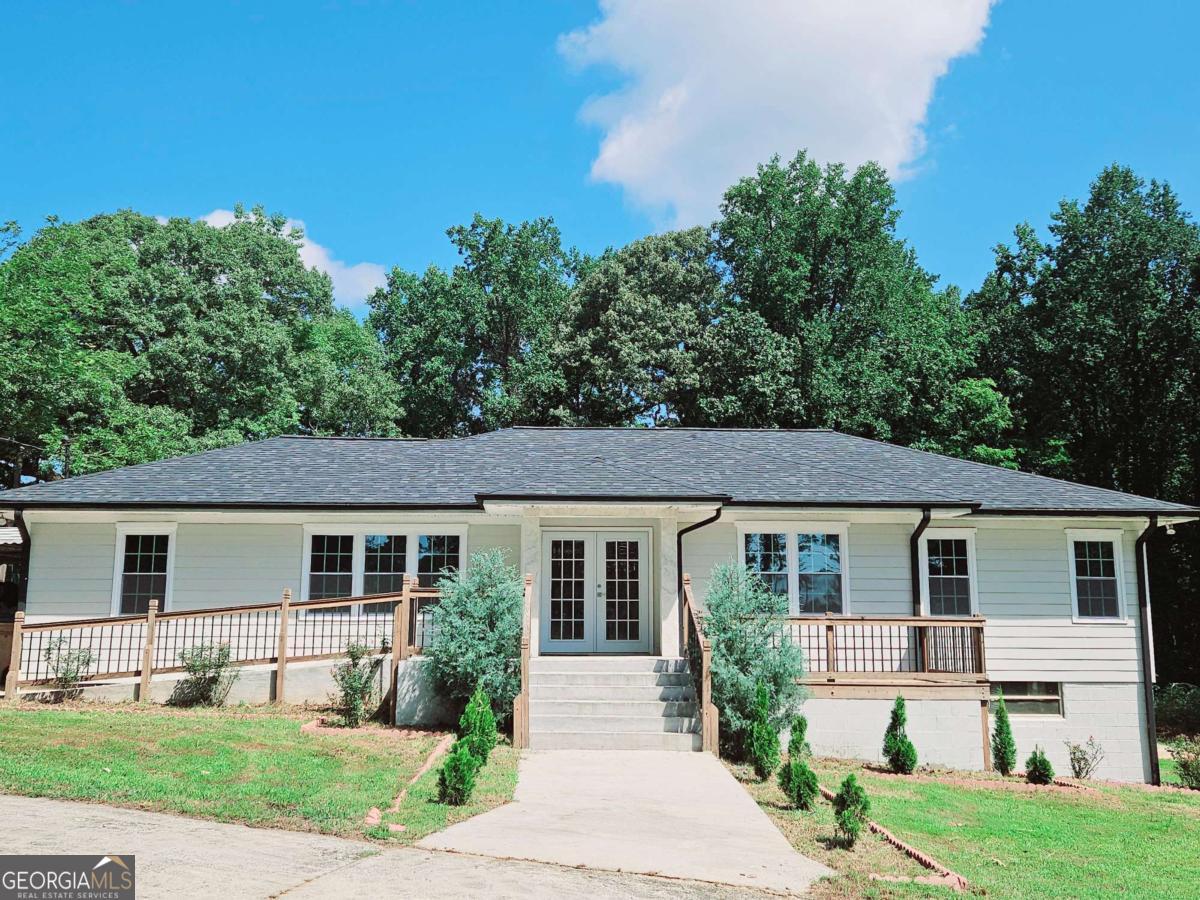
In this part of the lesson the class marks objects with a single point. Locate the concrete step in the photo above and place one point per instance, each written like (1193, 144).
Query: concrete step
(600, 677)
(540, 664)
(609, 740)
(607, 707)
(624, 692)
(544, 724)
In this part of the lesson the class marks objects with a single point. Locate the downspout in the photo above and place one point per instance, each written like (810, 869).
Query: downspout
(679, 545)
(914, 558)
(1143, 591)
(23, 586)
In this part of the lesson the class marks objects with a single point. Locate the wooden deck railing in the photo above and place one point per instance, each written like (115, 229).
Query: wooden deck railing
(699, 654)
(890, 645)
(521, 701)
(280, 632)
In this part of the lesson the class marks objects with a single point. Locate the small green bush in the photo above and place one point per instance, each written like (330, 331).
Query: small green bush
(209, 676)
(1038, 769)
(850, 808)
(68, 666)
(799, 783)
(355, 679)
(477, 726)
(1177, 708)
(477, 633)
(1084, 757)
(1004, 748)
(1187, 761)
(798, 746)
(764, 739)
(897, 748)
(456, 779)
(746, 625)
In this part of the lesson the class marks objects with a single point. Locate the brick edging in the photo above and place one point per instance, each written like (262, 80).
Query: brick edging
(952, 878)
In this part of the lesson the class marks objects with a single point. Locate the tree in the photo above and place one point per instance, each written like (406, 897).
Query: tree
(897, 748)
(1004, 747)
(764, 738)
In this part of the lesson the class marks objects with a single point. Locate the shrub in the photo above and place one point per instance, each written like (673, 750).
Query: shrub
(799, 783)
(1004, 748)
(1187, 761)
(745, 623)
(68, 665)
(850, 808)
(798, 746)
(477, 633)
(477, 727)
(209, 676)
(355, 679)
(456, 780)
(897, 748)
(764, 739)
(1084, 757)
(1038, 769)
(1177, 708)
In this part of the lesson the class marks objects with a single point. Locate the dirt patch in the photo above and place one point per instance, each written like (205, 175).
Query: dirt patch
(324, 725)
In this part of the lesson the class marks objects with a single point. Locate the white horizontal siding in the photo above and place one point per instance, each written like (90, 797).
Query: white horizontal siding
(505, 538)
(70, 570)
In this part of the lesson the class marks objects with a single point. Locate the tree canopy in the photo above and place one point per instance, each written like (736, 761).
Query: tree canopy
(129, 339)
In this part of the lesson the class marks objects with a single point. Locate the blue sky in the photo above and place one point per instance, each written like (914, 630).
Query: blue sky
(381, 124)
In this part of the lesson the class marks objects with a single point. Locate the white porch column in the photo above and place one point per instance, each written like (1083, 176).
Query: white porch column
(668, 583)
(531, 564)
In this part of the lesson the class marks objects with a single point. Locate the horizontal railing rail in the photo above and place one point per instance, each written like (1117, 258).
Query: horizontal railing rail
(889, 645)
(261, 633)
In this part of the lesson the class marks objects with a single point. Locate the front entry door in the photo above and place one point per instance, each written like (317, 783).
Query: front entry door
(595, 592)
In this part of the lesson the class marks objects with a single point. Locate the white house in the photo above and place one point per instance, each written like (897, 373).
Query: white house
(905, 572)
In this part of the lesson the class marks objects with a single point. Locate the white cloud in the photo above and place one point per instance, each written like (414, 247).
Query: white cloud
(352, 284)
(715, 87)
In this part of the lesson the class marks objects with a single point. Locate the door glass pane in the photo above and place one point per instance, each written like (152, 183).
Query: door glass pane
(622, 591)
(567, 586)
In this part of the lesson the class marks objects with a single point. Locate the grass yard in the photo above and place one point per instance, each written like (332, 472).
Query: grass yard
(233, 765)
(1112, 841)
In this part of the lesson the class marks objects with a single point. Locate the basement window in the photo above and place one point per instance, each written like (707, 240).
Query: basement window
(1029, 698)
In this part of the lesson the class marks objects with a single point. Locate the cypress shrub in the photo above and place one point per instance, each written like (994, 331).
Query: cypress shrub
(1037, 768)
(850, 808)
(764, 739)
(456, 780)
(897, 748)
(799, 783)
(477, 726)
(798, 746)
(1004, 748)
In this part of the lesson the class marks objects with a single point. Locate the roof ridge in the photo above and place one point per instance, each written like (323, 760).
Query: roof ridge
(619, 465)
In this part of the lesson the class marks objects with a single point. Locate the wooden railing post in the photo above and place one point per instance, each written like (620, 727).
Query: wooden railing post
(148, 653)
(923, 648)
(980, 654)
(830, 645)
(521, 701)
(281, 650)
(399, 644)
(14, 659)
(407, 601)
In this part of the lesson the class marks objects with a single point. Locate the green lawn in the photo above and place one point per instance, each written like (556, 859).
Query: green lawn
(1053, 843)
(231, 765)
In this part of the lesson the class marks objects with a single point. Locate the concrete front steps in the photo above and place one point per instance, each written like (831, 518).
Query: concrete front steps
(611, 703)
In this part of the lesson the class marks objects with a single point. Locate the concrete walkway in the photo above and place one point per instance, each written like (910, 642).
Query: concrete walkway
(653, 812)
(180, 857)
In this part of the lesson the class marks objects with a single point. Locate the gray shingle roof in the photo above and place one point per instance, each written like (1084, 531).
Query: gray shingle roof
(807, 467)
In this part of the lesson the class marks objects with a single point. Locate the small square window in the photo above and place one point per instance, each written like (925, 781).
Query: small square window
(1097, 587)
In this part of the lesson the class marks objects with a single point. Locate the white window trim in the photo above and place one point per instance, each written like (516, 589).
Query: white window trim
(1116, 537)
(411, 534)
(123, 530)
(950, 534)
(791, 529)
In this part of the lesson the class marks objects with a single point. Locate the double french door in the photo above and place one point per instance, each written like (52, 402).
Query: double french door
(595, 592)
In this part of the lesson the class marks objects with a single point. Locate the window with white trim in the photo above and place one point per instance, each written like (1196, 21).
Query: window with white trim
(949, 577)
(1096, 575)
(352, 561)
(143, 567)
(806, 563)
(1028, 698)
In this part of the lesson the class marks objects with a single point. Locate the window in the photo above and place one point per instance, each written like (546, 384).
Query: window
(1096, 575)
(766, 557)
(819, 558)
(1029, 698)
(143, 569)
(807, 564)
(437, 554)
(948, 564)
(352, 561)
